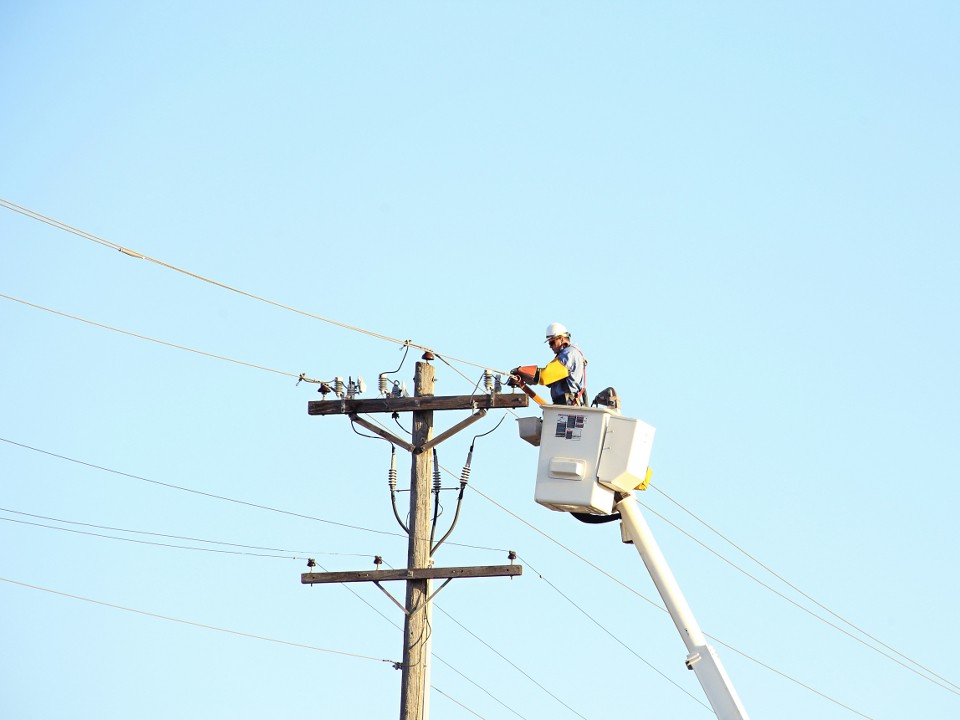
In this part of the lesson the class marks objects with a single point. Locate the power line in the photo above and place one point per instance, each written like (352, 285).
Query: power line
(288, 554)
(568, 549)
(456, 702)
(787, 677)
(164, 535)
(612, 635)
(489, 499)
(145, 337)
(407, 343)
(436, 657)
(953, 686)
(140, 256)
(89, 236)
(149, 542)
(656, 605)
(194, 624)
(214, 496)
(508, 661)
(935, 679)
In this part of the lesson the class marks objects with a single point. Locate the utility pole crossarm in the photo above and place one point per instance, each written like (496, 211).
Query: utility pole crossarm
(419, 403)
(411, 574)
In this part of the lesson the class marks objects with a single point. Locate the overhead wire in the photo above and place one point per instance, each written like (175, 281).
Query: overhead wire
(194, 624)
(782, 674)
(225, 498)
(510, 662)
(457, 702)
(396, 534)
(150, 542)
(613, 635)
(794, 588)
(660, 607)
(761, 583)
(405, 343)
(955, 687)
(141, 256)
(566, 548)
(640, 595)
(202, 493)
(170, 536)
(482, 494)
(286, 552)
(435, 656)
(150, 339)
(394, 663)
(299, 376)
(801, 607)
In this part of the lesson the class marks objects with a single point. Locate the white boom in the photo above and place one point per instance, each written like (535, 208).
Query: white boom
(701, 657)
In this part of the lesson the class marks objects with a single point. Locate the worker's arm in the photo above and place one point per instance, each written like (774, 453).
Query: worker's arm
(553, 372)
(533, 375)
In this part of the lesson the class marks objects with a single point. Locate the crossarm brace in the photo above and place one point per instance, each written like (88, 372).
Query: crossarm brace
(416, 450)
(389, 437)
(449, 433)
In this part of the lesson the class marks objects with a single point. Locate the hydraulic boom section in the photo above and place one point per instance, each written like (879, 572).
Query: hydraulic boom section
(701, 657)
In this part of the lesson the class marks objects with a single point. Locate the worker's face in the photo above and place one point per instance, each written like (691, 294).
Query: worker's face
(555, 343)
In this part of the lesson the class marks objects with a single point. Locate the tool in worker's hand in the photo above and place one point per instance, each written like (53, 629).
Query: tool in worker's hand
(530, 374)
(516, 380)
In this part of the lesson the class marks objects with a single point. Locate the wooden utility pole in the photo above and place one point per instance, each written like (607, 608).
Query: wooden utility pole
(419, 571)
(413, 687)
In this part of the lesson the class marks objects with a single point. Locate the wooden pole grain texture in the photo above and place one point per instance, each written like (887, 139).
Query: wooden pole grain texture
(413, 686)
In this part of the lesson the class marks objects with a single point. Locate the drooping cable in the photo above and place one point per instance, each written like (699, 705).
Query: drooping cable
(464, 477)
(392, 484)
(436, 497)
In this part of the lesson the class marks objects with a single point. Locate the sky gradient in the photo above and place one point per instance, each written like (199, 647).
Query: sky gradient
(746, 215)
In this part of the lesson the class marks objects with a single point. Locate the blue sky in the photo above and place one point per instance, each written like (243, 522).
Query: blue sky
(746, 215)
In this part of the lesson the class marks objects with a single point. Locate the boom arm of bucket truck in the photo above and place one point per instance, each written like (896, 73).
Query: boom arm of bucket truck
(591, 461)
(701, 657)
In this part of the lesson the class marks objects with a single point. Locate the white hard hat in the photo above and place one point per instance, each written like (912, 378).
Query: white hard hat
(554, 329)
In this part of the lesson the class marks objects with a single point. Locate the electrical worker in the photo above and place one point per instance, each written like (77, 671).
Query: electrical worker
(565, 375)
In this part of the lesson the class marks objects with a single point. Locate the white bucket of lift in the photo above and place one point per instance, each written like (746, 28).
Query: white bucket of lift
(588, 453)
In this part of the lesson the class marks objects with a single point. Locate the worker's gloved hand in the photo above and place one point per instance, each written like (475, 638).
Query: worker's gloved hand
(530, 374)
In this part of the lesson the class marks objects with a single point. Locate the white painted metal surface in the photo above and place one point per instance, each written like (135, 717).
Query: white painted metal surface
(701, 657)
(588, 453)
